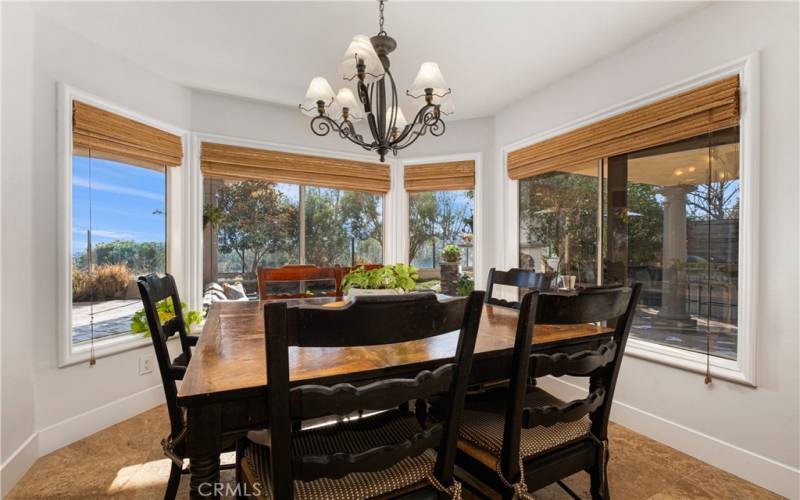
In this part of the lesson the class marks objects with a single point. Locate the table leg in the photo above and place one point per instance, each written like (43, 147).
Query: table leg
(205, 477)
(204, 445)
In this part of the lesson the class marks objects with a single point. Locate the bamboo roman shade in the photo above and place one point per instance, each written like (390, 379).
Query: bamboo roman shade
(102, 134)
(711, 107)
(447, 176)
(237, 162)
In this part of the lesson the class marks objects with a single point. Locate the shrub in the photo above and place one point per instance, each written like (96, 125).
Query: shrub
(104, 283)
(82, 286)
(451, 253)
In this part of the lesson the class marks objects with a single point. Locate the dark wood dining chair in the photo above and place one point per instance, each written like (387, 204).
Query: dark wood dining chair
(518, 438)
(519, 278)
(153, 289)
(388, 454)
(294, 274)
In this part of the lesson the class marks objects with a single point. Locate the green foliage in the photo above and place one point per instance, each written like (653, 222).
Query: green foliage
(261, 226)
(436, 217)
(451, 253)
(334, 218)
(166, 311)
(258, 219)
(212, 215)
(559, 210)
(465, 284)
(139, 257)
(386, 277)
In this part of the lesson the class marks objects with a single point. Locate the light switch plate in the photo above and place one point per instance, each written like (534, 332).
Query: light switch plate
(146, 364)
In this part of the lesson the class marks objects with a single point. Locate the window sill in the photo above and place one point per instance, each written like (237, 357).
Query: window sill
(723, 369)
(102, 349)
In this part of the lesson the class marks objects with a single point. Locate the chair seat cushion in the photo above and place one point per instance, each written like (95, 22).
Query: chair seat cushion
(353, 436)
(484, 418)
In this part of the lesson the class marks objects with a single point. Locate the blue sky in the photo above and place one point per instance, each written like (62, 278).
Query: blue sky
(127, 202)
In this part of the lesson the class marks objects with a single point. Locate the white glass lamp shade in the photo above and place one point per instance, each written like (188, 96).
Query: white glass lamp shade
(318, 90)
(361, 48)
(399, 122)
(346, 99)
(429, 77)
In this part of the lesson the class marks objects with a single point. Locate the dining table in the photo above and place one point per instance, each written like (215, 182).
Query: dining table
(225, 391)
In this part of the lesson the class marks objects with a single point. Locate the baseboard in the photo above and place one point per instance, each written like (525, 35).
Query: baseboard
(18, 463)
(85, 424)
(765, 472)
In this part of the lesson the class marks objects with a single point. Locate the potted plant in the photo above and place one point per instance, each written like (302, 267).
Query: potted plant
(451, 256)
(166, 311)
(451, 253)
(212, 215)
(386, 280)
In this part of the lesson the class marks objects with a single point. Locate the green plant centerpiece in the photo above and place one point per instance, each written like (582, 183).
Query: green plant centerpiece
(166, 311)
(386, 280)
(451, 253)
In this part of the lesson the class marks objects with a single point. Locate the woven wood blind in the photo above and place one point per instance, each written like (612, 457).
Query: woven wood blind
(714, 106)
(102, 134)
(447, 176)
(237, 162)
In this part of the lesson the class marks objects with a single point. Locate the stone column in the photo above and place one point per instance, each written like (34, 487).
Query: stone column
(449, 277)
(673, 279)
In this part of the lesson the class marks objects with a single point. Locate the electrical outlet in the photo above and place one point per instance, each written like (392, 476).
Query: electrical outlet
(146, 364)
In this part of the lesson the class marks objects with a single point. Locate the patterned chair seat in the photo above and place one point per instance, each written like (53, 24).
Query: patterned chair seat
(351, 436)
(481, 432)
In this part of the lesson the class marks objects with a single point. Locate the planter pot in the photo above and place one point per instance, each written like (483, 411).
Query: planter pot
(356, 292)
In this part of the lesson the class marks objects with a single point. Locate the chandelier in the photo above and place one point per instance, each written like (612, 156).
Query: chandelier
(366, 64)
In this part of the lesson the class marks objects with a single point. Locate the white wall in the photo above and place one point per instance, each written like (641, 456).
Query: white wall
(753, 432)
(56, 406)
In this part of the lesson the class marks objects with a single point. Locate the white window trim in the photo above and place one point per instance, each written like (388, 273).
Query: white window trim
(743, 369)
(398, 186)
(68, 354)
(194, 209)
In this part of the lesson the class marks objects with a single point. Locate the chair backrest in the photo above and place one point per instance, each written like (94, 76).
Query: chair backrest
(371, 320)
(293, 274)
(615, 305)
(288, 402)
(520, 278)
(154, 288)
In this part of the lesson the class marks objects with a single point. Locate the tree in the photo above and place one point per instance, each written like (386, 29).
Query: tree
(327, 241)
(422, 209)
(258, 220)
(559, 210)
(139, 257)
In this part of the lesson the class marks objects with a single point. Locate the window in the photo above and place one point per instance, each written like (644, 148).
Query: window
(113, 173)
(673, 225)
(254, 223)
(436, 219)
(118, 233)
(558, 223)
(670, 220)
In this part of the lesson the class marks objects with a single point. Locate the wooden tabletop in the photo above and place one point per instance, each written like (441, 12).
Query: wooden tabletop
(230, 357)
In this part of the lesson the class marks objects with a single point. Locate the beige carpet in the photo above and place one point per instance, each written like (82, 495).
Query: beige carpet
(125, 461)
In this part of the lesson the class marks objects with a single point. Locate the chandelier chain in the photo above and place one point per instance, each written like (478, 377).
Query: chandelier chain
(381, 31)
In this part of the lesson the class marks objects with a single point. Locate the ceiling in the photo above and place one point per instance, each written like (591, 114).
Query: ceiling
(491, 53)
